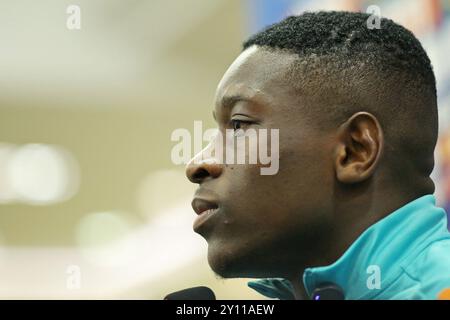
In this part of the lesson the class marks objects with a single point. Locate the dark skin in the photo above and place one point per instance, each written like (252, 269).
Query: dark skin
(331, 184)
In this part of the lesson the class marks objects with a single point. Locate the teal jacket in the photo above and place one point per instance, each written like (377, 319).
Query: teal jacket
(406, 255)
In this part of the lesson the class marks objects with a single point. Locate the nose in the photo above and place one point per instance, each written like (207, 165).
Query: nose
(198, 170)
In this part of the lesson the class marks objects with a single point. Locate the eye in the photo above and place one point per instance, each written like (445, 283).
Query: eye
(237, 124)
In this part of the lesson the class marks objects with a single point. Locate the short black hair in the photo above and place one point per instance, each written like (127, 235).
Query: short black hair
(346, 34)
(384, 71)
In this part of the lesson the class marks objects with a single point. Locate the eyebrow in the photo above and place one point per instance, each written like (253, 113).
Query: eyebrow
(230, 101)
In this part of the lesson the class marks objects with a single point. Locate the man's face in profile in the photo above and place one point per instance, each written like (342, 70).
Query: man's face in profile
(264, 224)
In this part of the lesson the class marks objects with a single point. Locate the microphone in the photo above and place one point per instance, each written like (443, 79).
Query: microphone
(196, 293)
(328, 291)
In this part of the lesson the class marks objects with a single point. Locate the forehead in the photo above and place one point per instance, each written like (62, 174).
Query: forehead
(256, 71)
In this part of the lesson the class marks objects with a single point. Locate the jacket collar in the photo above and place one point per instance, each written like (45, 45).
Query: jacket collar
(388, 245)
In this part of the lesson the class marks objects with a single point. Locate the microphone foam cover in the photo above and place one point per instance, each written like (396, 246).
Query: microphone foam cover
(196, 293)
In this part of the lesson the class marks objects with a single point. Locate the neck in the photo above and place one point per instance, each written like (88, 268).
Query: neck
(351, 219)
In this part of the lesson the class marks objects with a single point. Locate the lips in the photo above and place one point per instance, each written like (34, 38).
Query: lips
(201, 205)
(205, 209)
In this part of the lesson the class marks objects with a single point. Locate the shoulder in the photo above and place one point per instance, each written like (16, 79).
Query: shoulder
(431, 268)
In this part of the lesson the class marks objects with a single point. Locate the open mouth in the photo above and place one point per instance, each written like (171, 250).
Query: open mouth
(205, 209)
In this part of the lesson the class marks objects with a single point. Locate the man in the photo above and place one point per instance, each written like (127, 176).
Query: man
(352, 204)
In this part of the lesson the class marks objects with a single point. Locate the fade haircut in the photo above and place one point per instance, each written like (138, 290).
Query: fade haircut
(344, 66)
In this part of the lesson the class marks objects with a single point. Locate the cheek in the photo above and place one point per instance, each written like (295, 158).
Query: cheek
(301, 186)
(304, 182)
(256, 202)
(250, 200)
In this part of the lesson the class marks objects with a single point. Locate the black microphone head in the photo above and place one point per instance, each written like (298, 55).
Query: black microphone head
(328, 291)
(196, 293)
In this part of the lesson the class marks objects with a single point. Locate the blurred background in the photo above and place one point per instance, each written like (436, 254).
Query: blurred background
(91, 205)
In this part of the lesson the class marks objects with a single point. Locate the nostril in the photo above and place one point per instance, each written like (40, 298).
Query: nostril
(199, 175)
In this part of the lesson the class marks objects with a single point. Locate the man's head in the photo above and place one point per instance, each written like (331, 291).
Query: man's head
(357, 118)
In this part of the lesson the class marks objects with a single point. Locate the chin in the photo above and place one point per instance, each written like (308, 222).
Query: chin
(234, 263)
(221, 261)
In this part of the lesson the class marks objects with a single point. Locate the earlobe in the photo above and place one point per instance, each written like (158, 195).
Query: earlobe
(359, 148)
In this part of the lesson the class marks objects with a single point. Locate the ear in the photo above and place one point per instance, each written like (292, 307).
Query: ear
(360, 143)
